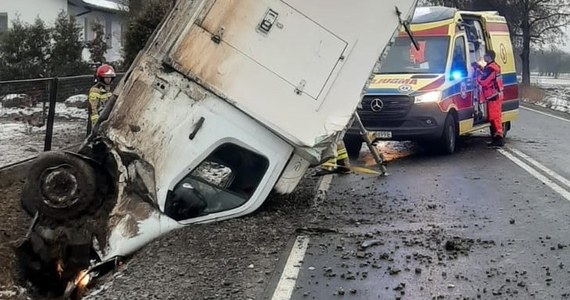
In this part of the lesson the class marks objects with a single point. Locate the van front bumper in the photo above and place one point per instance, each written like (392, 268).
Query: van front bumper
(417, 122)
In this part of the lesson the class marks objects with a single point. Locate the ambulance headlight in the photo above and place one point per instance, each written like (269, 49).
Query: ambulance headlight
(428, 97)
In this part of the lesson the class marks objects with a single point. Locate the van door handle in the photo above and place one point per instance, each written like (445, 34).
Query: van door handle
(196, 128)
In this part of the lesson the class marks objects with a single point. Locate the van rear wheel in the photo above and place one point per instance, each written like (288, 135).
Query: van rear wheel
(449, 138)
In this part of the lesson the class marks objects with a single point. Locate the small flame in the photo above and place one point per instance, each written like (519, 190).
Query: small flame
(83, 279)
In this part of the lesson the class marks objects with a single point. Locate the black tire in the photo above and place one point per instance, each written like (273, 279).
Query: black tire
(448, 143)
(353, 144)
(63, 176)
(506, 129)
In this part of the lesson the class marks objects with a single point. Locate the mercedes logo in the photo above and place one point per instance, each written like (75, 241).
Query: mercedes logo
(377, 105)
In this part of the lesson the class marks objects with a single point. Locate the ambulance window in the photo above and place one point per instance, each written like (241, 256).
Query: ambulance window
(404, 58)
(224, 180)
(459, 63)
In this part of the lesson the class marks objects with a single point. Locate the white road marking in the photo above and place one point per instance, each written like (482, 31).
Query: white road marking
(325, 183)
(557, 188)
(288, 279)
(540, 166)
(546, 114)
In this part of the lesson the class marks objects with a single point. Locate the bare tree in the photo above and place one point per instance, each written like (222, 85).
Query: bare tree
(531, 22)
(538, 22)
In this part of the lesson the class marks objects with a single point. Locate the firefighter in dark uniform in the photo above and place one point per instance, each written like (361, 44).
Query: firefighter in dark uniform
(100, 93)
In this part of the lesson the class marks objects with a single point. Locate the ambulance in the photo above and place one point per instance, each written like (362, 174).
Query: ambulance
(426, 89)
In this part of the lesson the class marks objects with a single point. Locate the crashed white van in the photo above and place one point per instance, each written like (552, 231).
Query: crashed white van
(229, 100)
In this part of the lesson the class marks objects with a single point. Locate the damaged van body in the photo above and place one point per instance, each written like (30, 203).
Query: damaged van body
(229, 100)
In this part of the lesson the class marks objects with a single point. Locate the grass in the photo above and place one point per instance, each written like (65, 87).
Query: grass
(532, 94)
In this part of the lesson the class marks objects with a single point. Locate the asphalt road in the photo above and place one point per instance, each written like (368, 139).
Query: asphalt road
(479, 224)
(474, 225)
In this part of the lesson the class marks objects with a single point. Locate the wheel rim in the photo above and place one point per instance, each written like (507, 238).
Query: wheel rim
(59, 187)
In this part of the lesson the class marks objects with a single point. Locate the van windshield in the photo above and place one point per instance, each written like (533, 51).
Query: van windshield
(404, 58)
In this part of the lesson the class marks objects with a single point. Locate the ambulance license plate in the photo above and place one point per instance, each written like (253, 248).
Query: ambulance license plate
(383, 134)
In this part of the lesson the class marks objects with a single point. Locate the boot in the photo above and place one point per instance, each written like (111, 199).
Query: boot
(498, 141)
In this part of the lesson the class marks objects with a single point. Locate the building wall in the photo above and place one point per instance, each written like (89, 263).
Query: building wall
(28, 10)
(113, 30)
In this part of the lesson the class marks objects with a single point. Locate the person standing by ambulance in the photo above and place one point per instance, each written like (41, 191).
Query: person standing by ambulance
(491, 83)
(100, 93)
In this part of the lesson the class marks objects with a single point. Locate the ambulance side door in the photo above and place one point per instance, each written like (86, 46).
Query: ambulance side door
(462, 83)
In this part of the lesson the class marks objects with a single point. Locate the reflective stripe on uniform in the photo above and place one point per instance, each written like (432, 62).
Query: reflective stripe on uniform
(342, 155)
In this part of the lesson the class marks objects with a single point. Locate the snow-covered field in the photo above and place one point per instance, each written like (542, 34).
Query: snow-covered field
(552, 82)
(22, 130)
(556, 93)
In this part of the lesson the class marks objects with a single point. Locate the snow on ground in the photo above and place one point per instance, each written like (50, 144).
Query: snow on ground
(557, 93)
(61, 111)
(16, 144)
(77, 101)
(550, 82)
(13, 96)
(22, 131)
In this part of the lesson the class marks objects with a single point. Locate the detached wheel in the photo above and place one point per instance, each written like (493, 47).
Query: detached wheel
(449, 137)
(59, 186)
(353, 144)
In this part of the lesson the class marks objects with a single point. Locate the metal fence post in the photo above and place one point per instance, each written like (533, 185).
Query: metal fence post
(51, 114)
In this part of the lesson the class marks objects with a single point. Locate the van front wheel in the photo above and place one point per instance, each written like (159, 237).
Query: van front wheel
(449, 137)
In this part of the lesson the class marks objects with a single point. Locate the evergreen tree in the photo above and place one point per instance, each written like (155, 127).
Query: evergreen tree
(143, 18)
(39, 47)
(25, 51)
(98, 46)
(66, 57)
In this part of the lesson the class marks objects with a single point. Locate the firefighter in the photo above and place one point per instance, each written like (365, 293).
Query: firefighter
(491, 83)
(100, 93)
(338, 164)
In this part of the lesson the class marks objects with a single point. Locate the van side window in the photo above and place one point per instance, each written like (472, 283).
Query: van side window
(459, 63)
(223, 181)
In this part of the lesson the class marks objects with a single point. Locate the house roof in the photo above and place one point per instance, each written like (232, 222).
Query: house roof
(106, 5)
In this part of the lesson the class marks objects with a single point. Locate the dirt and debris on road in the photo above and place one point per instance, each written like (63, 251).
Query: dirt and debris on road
(232, 259)
(470, 226)
(445, 232)
(13, 226)
(223, 260)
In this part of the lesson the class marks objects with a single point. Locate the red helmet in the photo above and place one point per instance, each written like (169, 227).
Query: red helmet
(105, 71)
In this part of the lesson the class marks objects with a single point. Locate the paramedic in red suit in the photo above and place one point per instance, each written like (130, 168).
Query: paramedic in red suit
(491, 83)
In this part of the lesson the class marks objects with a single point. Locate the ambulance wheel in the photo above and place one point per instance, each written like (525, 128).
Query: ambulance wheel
(449, 137)
(353, 144)
(59, 185)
